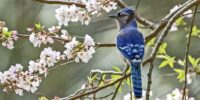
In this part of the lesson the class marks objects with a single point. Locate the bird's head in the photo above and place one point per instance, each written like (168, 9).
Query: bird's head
(124, 16)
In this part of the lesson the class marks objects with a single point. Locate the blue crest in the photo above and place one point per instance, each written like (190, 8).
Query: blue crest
(128, 10)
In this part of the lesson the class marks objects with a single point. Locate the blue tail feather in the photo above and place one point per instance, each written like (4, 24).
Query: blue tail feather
(136, 79)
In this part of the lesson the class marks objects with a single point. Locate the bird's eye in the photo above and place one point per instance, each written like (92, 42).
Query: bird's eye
(121, 15)
(118, 14)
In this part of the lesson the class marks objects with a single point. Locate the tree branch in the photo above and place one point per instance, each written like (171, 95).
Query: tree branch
(60, 2)
(149, 80)
(97, 89)
(117, 89)
(187, 53)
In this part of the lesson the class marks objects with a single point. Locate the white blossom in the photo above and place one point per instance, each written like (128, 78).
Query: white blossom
(83, 86)
(84, 56)
(33, 66)
(72, 13)
(8, 38)
(157, 99)
(127, 96)
(173, 27)
(80, 52)
(176, 7)
(49, 57)
(93, 6)
(65, 14)
(69, 48)
(89, 41)
(65, 34)
(177, 95)
(188, 13)
(39, 38)
(19, 92)
(8, 43)
(189, 77)
(110, 6)
(18, 80)
(54, 29)
(62, 15)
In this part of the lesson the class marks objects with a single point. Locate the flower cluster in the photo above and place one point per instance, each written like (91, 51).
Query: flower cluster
(18, 80)
(48, 58)
(72, 13)
(95, 6)
(65, 14)
(177, 95)
(39, 35)
(7, 37)
(80, 51)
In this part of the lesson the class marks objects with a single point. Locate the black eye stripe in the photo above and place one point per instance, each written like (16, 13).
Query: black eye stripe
(121, 15)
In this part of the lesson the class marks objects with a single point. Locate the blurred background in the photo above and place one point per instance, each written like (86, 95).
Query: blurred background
(20, 14)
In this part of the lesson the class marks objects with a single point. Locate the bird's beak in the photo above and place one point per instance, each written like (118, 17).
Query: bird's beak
(113, 16)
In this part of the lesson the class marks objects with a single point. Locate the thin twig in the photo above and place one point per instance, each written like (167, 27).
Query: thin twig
(137, 5)
(61, 64)
(116, 90)
(118, 86)
(97, 89)
(106, 72)
(60, 2)
(187, 53)
(149, 80)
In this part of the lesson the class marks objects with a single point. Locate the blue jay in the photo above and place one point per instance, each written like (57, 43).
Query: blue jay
(130, 43)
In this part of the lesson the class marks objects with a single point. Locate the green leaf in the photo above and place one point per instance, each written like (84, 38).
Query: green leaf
(151, 42)
(180, 62)
(171, 61)
(162, 56)
(193, 61)
(181, 74)
(163, 64)
(42, 98)
(195, 31)
(128, 82)
(104, 77)
(171, 64)
(114, 77)
(162, 49)
(93, 77)
(167, 60)
(5, 32)
(116, 69)
(38, 26)
(89, 79)
(180, 21)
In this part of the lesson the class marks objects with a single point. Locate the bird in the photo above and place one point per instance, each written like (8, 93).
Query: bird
(130, 43)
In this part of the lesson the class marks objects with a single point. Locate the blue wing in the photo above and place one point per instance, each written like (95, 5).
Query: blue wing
(130, 43)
